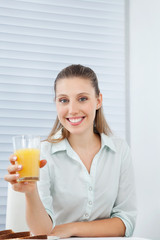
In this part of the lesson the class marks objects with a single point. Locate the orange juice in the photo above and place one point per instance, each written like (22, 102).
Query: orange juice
(29, 158)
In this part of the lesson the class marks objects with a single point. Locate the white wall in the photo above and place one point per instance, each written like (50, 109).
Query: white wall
(144, 74)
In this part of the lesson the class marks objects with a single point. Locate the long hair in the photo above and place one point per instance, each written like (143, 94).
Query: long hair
(100, 123)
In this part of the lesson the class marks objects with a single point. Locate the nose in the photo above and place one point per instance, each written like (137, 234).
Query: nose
(73, 108)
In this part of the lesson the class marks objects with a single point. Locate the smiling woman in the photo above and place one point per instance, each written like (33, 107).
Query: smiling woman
(87, 186)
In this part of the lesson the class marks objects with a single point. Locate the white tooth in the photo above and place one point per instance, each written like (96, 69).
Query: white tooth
(75, 120)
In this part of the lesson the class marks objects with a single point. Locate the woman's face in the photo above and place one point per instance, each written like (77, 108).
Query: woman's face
(76, 104)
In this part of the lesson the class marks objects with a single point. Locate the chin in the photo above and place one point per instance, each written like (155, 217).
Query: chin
(76, 131)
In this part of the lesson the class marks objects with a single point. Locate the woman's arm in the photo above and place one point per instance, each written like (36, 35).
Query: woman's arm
(37, 218)
(112, 227)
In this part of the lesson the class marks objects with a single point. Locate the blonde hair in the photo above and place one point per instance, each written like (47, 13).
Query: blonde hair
(100, 123)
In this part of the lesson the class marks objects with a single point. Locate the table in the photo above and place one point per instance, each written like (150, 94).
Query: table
(102, 238)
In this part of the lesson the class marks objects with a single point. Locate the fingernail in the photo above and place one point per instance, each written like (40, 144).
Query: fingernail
(19, 167)
(17, 175)
(14, 158)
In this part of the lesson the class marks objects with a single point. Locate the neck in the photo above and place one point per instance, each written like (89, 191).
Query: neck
(85, 141)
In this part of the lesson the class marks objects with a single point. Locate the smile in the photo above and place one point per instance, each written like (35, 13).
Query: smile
(75, 121)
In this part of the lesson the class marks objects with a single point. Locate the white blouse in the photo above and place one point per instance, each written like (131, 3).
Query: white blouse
(70, 194)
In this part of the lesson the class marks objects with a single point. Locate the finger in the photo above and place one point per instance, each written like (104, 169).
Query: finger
(12, 178)
(13, 159)
(14, 168)
(42, 163)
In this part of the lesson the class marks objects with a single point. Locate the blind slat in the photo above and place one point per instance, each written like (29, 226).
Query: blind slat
(7, 104)
(30, 53)
(48, 64)
(87, 25)
(51, 18)
(24, 130)
(18, 88)
(3, 209)
(26, 114)
(3, 203)
(73, 10)
(77, 35)
(48, 41)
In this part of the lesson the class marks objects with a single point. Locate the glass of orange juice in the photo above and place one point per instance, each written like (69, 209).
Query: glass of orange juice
(27, 150)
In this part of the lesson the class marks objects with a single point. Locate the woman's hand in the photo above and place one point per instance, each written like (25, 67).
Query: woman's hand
(13, 176)
(63, 230)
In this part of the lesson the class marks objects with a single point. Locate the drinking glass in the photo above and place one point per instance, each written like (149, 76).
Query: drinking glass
(27, 150)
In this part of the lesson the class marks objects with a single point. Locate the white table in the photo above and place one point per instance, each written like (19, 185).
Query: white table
(103, 238)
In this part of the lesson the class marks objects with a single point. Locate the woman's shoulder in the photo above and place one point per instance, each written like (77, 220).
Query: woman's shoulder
(117, 142)
(123, 149)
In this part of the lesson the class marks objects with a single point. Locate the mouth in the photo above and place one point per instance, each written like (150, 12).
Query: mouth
(75, 120)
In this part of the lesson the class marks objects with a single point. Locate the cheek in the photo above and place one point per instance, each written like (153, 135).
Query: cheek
(92, 107)
(60, 111)
(90, 110)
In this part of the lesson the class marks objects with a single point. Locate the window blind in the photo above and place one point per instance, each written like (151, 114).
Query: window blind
(37, 39)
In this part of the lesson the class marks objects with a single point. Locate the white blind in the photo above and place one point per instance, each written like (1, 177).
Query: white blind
(37, 39)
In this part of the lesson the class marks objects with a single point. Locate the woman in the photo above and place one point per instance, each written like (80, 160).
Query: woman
(87, 186)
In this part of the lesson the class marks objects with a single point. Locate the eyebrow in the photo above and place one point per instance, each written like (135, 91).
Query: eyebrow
(65, 95)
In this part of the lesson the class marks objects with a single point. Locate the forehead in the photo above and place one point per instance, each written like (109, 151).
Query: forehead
(73, 84)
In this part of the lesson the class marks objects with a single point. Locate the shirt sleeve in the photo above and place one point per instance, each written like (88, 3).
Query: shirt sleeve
(125, 204)
(44, 186)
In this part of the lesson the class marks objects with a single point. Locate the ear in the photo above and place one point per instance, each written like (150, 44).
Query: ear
(99, 101)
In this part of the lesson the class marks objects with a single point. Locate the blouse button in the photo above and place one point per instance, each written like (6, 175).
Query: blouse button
(86, 215)
(90, 188)
(90, 202)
